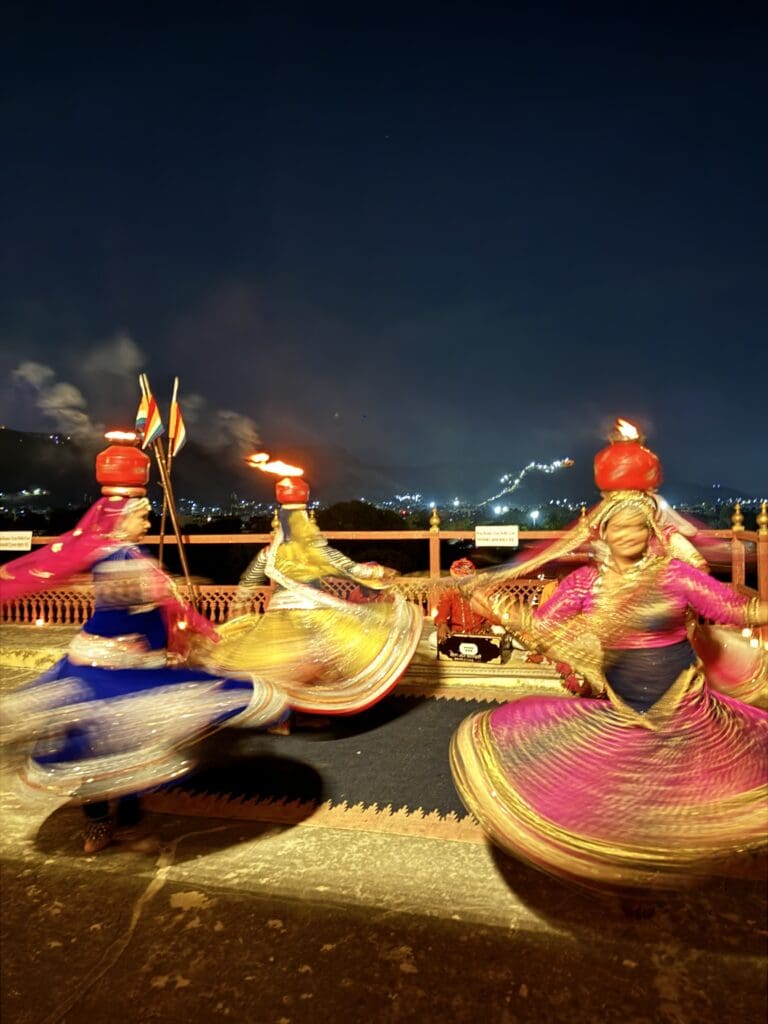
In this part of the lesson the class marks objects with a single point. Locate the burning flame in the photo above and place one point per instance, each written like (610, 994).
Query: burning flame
(627, 431)
(120, 435)
(262, 461)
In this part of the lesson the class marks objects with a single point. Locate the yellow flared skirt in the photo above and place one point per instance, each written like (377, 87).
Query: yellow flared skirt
(338, 658)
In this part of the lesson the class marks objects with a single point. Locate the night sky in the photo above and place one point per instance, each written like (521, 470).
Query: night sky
(442, 238)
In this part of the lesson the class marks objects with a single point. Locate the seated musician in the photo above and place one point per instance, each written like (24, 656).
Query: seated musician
(454, 611)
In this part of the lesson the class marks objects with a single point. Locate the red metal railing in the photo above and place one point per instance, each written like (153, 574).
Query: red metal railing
(73, 604)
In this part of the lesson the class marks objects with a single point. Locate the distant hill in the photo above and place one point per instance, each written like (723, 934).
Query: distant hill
(66, 469)
(50, 461)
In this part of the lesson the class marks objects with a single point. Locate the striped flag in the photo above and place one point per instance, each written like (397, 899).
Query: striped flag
(141, 415)
(154, 427)
(177, 432)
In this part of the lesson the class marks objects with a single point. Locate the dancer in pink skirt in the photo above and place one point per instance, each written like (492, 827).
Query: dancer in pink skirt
(653, 780)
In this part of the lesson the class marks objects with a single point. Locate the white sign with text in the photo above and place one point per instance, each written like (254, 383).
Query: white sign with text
(497, 536)
(15, 540)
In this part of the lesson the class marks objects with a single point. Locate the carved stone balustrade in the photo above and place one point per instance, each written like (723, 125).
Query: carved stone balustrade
(73, 605)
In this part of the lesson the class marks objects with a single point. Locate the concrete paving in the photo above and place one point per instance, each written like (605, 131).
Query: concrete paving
(222, 920)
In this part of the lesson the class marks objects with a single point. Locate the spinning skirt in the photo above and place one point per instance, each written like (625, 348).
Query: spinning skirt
(99, 732)
(336, 658)
(596, 793)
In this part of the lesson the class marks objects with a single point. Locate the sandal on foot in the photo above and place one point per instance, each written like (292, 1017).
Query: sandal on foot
(98, 835)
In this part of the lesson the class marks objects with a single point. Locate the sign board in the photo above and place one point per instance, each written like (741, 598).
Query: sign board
(497, 536)
(15, 540)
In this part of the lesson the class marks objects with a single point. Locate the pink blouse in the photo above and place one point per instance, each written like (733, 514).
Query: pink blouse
(681, 587)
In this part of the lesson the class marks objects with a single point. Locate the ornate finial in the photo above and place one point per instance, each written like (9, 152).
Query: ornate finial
(434, 521)
(312, 517)
(737, 519)
(275, 521)
(583, 513)
(762, 519)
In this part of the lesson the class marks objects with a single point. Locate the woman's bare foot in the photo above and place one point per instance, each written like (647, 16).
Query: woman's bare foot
(130, 833)
(148, 843)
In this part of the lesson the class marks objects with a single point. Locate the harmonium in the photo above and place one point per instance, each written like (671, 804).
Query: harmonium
(480, 648)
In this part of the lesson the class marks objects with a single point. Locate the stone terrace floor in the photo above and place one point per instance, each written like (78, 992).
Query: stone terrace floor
(225, 920)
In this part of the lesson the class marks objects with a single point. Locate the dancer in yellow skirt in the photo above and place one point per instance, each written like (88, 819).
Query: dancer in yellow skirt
(332, 656)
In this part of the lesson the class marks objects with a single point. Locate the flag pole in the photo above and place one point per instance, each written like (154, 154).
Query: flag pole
(169, 463)
(159, 451)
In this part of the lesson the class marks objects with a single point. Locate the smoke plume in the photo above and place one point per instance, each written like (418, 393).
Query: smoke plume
(61, 403)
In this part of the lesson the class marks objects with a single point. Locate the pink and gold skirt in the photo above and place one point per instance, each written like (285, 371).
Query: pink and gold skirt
(596, 793)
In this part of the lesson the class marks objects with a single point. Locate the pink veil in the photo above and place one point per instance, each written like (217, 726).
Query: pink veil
(74, 552)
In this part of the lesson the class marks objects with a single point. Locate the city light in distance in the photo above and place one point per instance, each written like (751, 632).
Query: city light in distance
(511, 483)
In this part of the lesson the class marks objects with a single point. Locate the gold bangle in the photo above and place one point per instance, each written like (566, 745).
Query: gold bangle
(752, 612)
